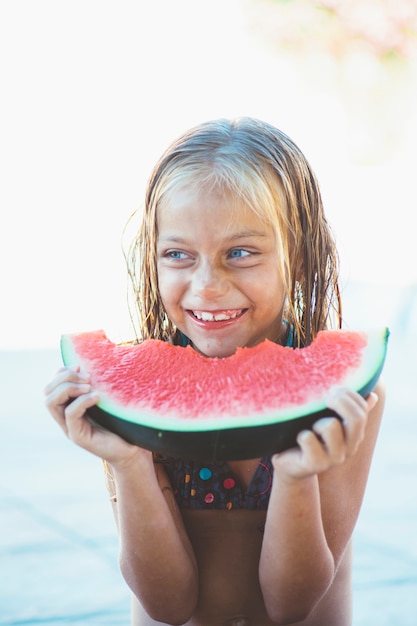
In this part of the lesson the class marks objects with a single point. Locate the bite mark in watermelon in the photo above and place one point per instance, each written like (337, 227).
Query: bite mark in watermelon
(175, 401)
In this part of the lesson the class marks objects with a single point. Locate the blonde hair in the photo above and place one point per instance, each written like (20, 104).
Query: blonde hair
(259, 165)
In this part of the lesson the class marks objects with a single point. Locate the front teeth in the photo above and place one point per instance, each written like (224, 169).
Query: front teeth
(211, 317)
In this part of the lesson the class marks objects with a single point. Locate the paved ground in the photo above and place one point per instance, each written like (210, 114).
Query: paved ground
(58, 545)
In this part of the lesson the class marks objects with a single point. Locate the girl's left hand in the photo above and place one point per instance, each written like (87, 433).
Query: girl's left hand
(331, 440)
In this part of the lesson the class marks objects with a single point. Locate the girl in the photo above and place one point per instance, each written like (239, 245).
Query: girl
(234, 248)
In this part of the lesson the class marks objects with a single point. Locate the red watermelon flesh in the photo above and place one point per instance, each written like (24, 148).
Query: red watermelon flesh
(140, 382)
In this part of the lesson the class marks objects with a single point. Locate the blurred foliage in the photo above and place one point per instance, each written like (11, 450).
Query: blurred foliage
(362, 51)
(387, 29)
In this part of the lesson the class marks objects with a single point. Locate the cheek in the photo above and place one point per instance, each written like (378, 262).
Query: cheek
(162, 286)
(268, 288)
(169, 285)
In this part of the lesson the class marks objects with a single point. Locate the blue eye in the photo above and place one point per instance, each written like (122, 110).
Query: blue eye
(177, 255)
(238, 253)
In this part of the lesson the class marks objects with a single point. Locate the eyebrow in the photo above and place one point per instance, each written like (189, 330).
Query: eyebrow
(240, 235)
(248, 233)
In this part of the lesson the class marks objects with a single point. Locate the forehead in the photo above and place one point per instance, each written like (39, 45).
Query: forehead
(188, 205)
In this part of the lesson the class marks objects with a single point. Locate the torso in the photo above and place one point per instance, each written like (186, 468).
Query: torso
(227, 545)
(226, 534)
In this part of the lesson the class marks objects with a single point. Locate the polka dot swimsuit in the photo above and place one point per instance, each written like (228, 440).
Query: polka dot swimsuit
(213, 486)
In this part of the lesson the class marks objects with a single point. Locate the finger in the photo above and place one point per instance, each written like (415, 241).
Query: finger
(67, 374)
(80, 429)
(76, 410)
(372, 400)
(65, 392)
(339, 395)
(353, 411)
(330, 433)
(314, 455)
(61, 397)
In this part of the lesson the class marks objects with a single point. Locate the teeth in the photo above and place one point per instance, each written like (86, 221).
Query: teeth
(206, 316)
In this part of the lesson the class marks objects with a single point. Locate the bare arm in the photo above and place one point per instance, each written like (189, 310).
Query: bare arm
(315, 501)
(156, 557)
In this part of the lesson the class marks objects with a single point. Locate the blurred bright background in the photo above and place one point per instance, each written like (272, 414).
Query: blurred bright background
(93, 91)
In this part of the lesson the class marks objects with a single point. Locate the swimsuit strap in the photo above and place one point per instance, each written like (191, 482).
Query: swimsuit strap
(290, 335)
(181, 340)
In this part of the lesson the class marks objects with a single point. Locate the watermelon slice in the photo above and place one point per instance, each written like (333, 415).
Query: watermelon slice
(177, 402)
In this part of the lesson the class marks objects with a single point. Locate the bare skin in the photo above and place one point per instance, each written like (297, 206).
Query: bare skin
(291, 565)
(218, 567)
(228, 547)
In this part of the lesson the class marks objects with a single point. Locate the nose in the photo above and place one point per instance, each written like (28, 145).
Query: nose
(209, 280)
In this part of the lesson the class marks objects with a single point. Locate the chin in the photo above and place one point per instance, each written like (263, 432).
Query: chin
(215, 349)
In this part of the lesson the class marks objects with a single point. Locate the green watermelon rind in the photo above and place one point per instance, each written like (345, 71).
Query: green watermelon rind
(235, 435)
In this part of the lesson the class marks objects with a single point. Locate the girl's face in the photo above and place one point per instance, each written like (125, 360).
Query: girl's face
(218, 272)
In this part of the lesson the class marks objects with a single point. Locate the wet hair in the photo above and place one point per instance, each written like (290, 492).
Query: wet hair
(257, 164)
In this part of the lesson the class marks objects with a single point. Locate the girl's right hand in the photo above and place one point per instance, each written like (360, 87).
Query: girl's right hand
(68, 396)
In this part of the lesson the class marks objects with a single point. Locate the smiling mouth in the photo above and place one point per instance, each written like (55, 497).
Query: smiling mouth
(218, 316)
